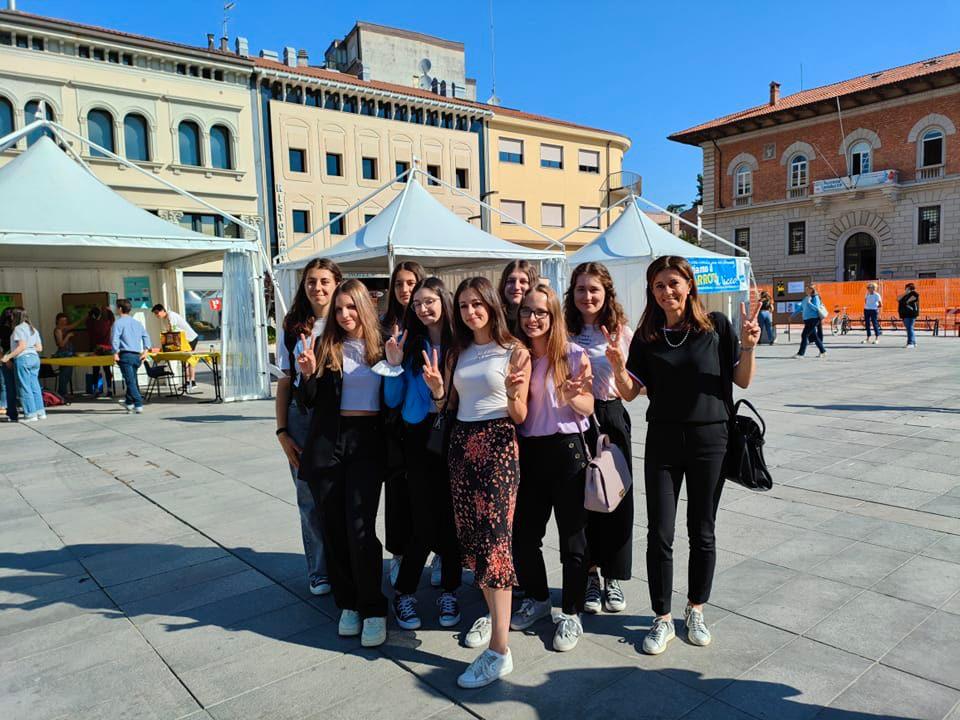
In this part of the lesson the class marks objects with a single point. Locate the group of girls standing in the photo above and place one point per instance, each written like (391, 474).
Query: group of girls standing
(478, 410)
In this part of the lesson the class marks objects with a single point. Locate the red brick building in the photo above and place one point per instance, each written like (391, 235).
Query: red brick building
(851, 181)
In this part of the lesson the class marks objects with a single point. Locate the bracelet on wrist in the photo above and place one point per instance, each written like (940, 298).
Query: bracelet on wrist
(747, 348)
(281, 431)
(437, 399)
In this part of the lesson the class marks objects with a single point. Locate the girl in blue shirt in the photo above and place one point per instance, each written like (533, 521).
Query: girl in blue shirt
(420, 350)
(810, 309)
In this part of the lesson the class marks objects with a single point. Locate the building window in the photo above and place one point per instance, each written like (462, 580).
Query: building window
(741, 238)
(213, 225)
(369, 168)
(29, 116)
(36, 43)
(551, 215)
(100, 131)
(114, 57)
(929, 230)
(298, 160)
(400, 167)
(589, 161)
(929, 275)
(551, 156)
(6, 116)
(590, 218)
(6, 37)
(127, 59)
(433, 170)
(462, 178)
(743, 181)
(301, 221)
(221, 155)
(513, 210)
(349, 104)
(860, 158)
(335, 164)
(511, 151)
(337, 227)
(931, 150)
(797, 238)
(84, 51)
(136, 141)
(798, 171)
(22, 41)
(189, 137)
(367, 217)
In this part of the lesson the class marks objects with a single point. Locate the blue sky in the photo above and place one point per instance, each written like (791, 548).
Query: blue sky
(642, 69)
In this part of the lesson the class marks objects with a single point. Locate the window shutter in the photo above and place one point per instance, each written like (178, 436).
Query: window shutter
(514, 209)
(551, 153)
(551, 215)
(508, 145)
(589, 159)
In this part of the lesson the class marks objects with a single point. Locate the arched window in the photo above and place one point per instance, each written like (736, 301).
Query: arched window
(744, 180)
(29, 111)
(931, 150)
(798, 171)
(860, 158)
(100, 131)
(135, 138)
(6, 116)
(189, 136)
(220, 154)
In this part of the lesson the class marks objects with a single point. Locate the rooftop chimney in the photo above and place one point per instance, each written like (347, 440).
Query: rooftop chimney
(290, 56)
(242, 47)
(774, 92)
(303, 60)
(224, 44)
(269, 54)
(209, 41)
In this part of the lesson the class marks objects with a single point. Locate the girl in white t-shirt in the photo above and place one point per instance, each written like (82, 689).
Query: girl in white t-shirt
(872, 305)
(25, 349)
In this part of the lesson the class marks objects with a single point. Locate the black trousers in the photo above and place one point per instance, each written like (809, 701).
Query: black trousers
(398, 526)
(431, 509)
(551, 478)
(347, 495)
(610, 535)
(675, 451)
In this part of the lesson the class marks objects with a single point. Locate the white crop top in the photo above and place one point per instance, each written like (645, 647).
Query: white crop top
(361, 386)
(479, 380)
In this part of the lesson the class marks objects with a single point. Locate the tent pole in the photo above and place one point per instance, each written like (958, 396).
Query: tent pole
(12, 137)
(414, 169)
(599, 215)
(736, 248)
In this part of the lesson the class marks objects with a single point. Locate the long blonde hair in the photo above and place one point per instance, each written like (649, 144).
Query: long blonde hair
(330, 353)
(557, 339)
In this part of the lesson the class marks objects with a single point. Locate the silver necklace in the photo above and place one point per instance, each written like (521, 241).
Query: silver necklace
(667, 339)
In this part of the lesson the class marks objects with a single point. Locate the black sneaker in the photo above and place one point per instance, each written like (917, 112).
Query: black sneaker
(405, 608)
(449, 609)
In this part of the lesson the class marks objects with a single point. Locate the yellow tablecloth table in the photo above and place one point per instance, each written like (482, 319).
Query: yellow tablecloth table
(87, 361)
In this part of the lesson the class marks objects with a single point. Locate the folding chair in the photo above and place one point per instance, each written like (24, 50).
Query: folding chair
(159, 373)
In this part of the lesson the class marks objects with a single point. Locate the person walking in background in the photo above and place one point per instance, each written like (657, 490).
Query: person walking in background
(7, 371)
(517, 277)
(908, 308)
(397, 521)
(130, 343)
(872, 305)
(810, 311)
(766, 317)
(175, 322)
(100, 330)
(595, 319)
(24, 352)
(307, 318)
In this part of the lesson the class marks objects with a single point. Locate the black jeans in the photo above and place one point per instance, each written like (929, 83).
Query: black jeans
(129, 364)
(675, 450)
(610, 535)
(810, 333)
(551, 478)
(348, 496)
(431, 509)
(398, 525)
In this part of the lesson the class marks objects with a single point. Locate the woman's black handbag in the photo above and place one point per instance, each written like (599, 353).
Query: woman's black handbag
(744, 463)
(439, 434)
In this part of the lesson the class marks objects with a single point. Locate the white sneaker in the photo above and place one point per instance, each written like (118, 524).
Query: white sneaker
(613, 599)
(374, 632)
(31, 419)
(530, 611)
(128, 408)
(487, 668)
(911, 347)
(138, 410)
(479, 633)
(436, 571)
(658, 636)
(567, 635)
(697, 632)
(349, 623)
(395, 569)
(592, 599)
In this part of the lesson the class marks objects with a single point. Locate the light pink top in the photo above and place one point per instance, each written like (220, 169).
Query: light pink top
(544, 415)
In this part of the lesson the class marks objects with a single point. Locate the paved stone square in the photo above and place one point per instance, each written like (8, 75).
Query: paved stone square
(151, 567)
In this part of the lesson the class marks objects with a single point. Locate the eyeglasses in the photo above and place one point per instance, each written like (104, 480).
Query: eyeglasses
(428, 303)
(526, 312)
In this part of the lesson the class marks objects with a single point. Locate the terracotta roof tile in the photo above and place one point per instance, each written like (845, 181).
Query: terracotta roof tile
(869, 81)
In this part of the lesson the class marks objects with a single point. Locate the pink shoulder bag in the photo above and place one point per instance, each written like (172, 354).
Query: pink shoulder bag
(608, 477)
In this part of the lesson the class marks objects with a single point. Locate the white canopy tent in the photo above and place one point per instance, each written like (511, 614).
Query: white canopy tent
(634, 240)
(415, 226)
(60, 222)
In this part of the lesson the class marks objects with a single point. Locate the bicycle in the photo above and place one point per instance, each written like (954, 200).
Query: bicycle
(840, 324)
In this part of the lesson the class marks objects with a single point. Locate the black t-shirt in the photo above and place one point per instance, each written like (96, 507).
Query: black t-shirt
(908, 306)
(686, 384)
(5, 333)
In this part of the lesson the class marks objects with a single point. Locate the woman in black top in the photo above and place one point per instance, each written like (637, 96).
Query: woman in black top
(686, 360)
(908, 308)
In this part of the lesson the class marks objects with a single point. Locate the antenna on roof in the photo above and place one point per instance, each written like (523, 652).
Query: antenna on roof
(227, 7)
(493, 99)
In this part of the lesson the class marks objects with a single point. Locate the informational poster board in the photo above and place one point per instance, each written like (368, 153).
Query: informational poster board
(788, 292)
(137, 290)
(10, 299)
(77, 305)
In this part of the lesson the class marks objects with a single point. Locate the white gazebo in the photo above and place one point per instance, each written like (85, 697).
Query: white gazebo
(63, 230)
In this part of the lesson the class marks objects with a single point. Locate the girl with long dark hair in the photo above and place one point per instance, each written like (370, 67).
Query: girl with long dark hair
(397, 521)
(515, 280)
(687, 360)
(595, 319)
(307, 318)
(426, 340)
(552, 466)
(343, 458)
(24, 353)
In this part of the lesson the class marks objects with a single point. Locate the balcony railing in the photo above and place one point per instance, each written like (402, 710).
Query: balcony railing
(798, 192)
(930, 173)
(741, 200)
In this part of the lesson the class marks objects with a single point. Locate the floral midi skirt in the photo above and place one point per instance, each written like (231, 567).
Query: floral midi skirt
(484, 477)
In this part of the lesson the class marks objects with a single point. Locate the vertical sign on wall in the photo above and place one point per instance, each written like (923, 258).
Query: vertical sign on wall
(137, 290)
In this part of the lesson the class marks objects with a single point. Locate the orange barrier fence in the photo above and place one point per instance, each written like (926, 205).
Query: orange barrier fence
(939, 298)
